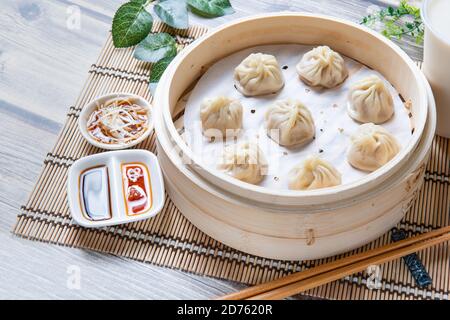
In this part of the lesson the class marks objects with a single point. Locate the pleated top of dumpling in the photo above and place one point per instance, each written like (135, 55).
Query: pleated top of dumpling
(372, 146)
(314, 173)
(258, 74)
(289, 122)
(322, 67)
(370, 101)
(244, 161)
(221, 117)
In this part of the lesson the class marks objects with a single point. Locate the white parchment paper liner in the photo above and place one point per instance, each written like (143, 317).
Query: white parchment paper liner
(328, 107)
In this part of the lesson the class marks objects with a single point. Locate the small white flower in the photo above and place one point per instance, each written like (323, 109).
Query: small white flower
(415, 3)
(378, 26)
(407, 18)
(373, 9)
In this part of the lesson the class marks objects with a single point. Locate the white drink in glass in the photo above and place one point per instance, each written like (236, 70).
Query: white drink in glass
(436, 64)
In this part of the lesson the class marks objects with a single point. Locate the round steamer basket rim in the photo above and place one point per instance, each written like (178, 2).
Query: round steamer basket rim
(290, 193)
(311, 196)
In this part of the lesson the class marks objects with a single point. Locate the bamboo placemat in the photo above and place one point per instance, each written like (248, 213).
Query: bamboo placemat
(170, 240)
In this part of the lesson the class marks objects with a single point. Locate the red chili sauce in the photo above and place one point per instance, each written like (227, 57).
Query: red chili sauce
(136, 188)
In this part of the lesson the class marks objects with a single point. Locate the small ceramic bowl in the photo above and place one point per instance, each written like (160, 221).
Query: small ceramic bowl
(90, 107)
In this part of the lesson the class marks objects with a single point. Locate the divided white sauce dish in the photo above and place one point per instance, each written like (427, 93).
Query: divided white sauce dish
(115, 187)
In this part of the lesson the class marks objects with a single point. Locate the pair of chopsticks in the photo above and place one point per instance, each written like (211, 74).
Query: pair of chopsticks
(322, 274)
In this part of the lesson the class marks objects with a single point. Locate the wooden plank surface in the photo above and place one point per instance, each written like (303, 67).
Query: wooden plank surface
(43, 64)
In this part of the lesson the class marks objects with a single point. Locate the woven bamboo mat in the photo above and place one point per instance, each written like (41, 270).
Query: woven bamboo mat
(170, 240)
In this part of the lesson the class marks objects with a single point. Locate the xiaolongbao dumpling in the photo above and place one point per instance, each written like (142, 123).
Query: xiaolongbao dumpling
(313, 173)
(322, 67)
(258, 74)
(371, 147)
(221, 116)
(244, 161)
(370, 101)
(289, 122)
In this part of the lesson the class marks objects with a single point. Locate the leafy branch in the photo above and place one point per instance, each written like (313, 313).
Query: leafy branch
(394, 23)
(133, 21)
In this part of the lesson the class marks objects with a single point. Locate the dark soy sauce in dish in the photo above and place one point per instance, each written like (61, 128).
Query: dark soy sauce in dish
(95, 194)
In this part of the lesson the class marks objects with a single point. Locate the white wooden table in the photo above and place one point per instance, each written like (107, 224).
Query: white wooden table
(43, 65)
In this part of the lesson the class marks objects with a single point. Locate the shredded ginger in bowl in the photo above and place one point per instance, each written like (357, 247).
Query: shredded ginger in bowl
(118, 121)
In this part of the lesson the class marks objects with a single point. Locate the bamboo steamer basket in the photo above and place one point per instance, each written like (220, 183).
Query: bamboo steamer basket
(302, 225)
(305, 233)
(350, 39)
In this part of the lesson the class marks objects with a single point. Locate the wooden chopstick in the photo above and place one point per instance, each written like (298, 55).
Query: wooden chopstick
(341, 263)
(323, 278)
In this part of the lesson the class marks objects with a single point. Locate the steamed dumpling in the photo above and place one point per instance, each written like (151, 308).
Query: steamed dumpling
(244, 161)
(370, 101)
(313, 173)
(289, 122)
(221, 116)
(371, 147)
(258, 74)
(322, 67)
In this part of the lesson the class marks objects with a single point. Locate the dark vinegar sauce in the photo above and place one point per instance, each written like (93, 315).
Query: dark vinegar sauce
(95, 193)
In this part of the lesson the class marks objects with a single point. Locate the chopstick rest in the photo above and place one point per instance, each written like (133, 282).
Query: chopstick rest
(413, 261)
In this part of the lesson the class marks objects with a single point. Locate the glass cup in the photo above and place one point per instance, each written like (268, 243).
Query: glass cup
(436, 62)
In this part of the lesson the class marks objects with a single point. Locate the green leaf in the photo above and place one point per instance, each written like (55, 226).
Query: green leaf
(173, 12)
(419, 38)
(131, 24)
(156, 47)
(157, 72)
(395, 26)
(211, 8)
